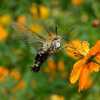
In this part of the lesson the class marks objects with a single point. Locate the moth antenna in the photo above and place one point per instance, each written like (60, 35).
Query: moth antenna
(56, 30)
(47, 30)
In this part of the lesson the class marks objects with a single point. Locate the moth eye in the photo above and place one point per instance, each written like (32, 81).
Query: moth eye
(57, 44)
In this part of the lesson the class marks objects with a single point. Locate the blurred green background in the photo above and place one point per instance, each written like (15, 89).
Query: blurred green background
(76, 19)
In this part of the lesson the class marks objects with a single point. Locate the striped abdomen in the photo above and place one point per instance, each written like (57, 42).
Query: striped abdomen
(39, 60)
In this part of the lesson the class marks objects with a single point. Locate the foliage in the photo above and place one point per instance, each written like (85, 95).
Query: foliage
(78, 23)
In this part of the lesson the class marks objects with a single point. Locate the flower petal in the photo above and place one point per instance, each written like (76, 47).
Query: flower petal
(52, 65)
(85, 81)
(75, 74)
(61, 66)
(77, 49)
(84, 48)
(98, 58)
(95, 49)
(93, 67)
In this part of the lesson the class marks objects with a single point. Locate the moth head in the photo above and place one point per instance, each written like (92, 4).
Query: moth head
(56, 42)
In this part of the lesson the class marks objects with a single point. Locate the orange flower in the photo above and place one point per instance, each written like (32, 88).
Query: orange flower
(44, 12)
(52, 65)
(77, 49)
(95, 50)
(77, 2)
(15, 74)
(5, 20)
(3, 73)
(21, 85)
(85, 81)
(83, 68)
(39, 11)
(56, 97)
(61, 66)
(34, 11)
(21, 21)
(3, 34)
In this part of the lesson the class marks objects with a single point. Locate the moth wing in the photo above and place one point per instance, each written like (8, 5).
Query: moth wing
(25, 34)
